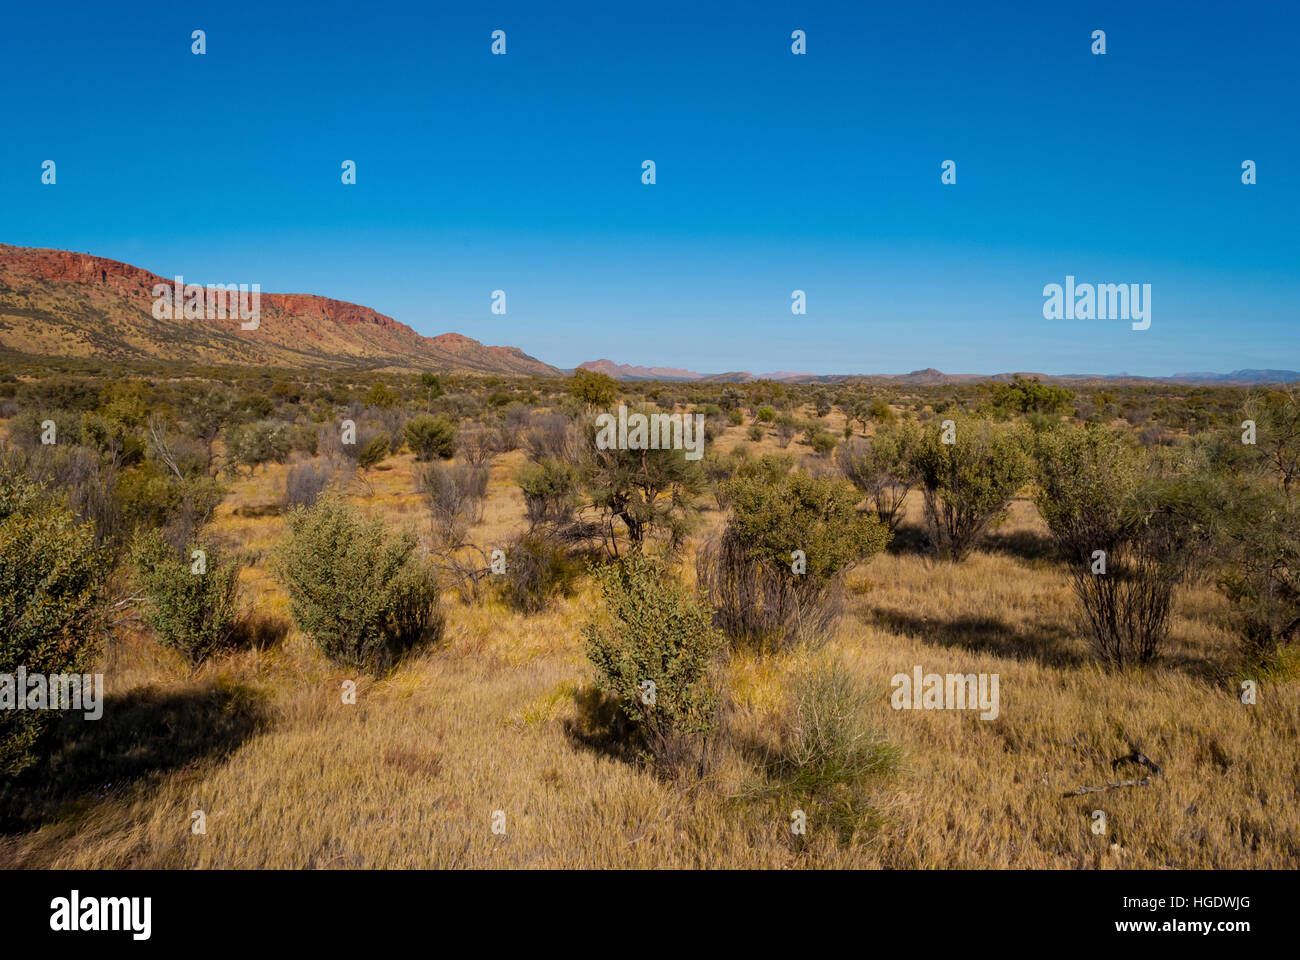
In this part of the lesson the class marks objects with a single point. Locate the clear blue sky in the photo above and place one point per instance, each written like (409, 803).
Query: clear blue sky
(775, 172)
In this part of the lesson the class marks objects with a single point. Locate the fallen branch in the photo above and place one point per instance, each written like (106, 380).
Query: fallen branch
(1108, 786)
(1138, 757)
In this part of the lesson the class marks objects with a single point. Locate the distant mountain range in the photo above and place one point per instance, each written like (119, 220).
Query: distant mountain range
(625, 371)
(60, 303)
(933, 377)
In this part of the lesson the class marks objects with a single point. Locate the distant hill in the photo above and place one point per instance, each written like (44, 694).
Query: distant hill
(930, 377)
(624, 371)
(60, 303)
(55, 302)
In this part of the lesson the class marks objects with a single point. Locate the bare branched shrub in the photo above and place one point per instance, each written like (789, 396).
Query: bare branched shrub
(552, 436)
(477, 446)
(881, 468)
(305, 481)
(455, 494)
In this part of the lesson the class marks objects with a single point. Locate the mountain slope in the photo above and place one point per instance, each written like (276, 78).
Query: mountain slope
(55, 302)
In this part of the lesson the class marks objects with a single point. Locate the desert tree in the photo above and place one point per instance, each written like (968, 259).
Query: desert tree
(1130, 524)
(969, 472)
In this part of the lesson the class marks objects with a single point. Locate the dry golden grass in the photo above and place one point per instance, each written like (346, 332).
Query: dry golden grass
(290, 776)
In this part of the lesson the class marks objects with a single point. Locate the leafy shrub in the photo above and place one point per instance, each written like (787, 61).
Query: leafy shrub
(1100, 492)
(538, 568)
(253, 444)
(382, 396)
(373, 451)
(650, 491)
(431, 436)
(817, 515)
(822, 442)
(193, 607)
(656, 632)
(550, 489)
(748, 572)
(970, 483)
(592, 388)
(50, 572)
(364, 597)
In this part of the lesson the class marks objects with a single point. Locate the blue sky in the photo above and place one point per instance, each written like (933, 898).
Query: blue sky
(774, 172)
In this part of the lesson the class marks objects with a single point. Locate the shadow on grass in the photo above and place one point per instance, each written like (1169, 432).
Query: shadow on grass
(1025, 544)
(601, 727)
(147, 731)
(911, 539)
(1048, 643)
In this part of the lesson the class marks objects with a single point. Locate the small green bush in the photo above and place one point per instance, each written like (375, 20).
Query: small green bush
(656, 632)
(550, 489)
(970, 483)
(50, 573)
(538, 568)
(363, 596)
(767, 596)
(373, 451)
(192, 603)
(432, 436)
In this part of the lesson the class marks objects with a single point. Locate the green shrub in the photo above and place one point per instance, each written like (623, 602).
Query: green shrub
(550, 489)
(432, 436)
(822, 442)
(749, 573)
(50, 572)
(373, 451)
(538, 568)
(1099, 491)
(829, 755)
(592, 388)
(253, 444)
(381, 396)
(364, 597)
(192, 603)
(970, 483)
(817, 515)
(650, 491)
(655, 632)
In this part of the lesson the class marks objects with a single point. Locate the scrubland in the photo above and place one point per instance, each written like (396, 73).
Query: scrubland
(496, 716)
